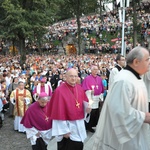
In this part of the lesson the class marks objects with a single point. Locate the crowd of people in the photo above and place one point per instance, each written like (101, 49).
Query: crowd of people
(21, 85)
(92, 29)
(95, 32)
(62, 95)
(84, 81)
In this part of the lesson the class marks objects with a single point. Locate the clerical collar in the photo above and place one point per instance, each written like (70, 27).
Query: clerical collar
(93, 76)
(133, 71)
(118, 67)
(70, 85)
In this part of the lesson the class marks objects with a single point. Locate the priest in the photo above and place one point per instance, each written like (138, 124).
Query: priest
(21, 99)
(94, 89)
(37, 124)
(124, 121)
(146, 78)
(120, 64)
(42, 87)
(67, 108)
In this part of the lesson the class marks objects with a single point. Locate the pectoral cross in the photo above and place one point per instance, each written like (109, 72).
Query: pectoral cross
(77, 104)
(46, 119)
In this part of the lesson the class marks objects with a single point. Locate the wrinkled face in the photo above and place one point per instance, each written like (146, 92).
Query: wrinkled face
(42, 102)
(143, 65)
(71, 77)
(94, 71)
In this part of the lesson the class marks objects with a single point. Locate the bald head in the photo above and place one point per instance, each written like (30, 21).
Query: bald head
(72, 76)
(138, 59)
(70, 71)
(136, 53)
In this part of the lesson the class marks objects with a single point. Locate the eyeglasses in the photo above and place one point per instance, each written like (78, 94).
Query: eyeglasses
(73, 76)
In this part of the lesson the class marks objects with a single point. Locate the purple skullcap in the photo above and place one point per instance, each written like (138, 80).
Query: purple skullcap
(43, 80)
(43, 96)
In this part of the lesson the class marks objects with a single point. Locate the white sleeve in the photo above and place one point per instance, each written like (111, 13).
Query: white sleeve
(89, 96)
(12, 100)
(59, 127)
(48, 83)
(112, 75)
(27, 100)
(31, 134)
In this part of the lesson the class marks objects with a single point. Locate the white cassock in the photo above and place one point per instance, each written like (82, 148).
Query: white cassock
(31, 134)
(17, 119)
(75, 128)
(121, 125)
(112, 75)
(146, 78)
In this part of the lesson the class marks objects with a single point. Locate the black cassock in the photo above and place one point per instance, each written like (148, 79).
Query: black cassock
(40, 145)
(67, 144)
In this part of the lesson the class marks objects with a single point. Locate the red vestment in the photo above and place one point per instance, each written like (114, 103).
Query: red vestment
(62, 105)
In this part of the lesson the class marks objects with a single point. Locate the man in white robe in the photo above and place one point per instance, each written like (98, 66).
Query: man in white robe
(146, 78)
(119, 66)
(20, 98)
(124, 121)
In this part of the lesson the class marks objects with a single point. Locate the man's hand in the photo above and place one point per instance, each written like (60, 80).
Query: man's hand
(147, 118)
(66, 135)
(38, 134)
(88, 110)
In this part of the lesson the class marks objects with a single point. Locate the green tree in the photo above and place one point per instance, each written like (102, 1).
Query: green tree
(23, 18)
(76, 8)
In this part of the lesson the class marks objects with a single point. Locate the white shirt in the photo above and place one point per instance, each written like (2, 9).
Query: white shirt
(31, 134)
(75, 128)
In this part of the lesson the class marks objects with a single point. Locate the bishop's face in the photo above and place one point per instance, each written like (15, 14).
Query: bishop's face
(72, 77)
(42, 83)
(42, 103)
(94, 71)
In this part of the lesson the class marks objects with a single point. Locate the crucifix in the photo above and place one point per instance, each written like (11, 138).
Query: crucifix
(46, 118)
(77, 104)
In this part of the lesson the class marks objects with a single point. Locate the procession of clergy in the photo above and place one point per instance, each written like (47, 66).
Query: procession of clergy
(74, 108)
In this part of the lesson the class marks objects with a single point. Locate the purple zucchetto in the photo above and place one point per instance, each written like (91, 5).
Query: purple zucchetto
(43, 96)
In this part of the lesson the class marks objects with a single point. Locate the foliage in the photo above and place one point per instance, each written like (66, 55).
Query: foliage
(23, 19)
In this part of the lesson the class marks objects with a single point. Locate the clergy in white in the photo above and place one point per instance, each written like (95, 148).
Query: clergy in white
(146, 78)
(124, 121)
(37, 124)
(119, 66)
(21, 99)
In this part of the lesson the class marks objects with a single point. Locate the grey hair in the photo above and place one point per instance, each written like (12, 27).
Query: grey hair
(93, 67)
(135, 53)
